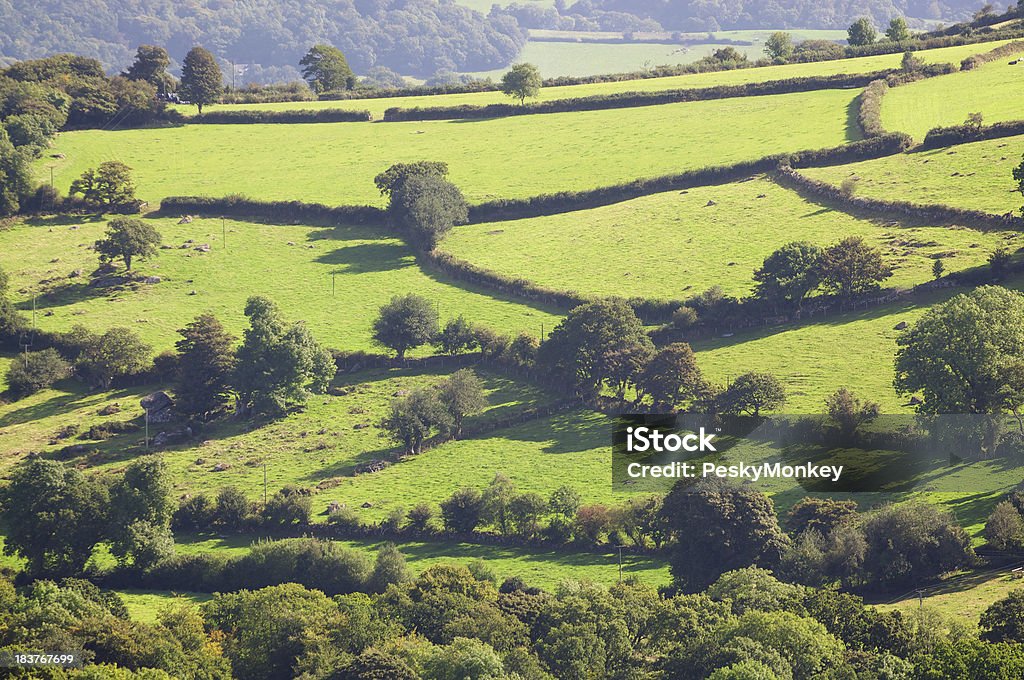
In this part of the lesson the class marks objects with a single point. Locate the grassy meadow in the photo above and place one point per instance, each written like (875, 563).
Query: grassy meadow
(335, 163)
(575, 51)
(367, 268)
(978, 176)
(993, 90)
(675, 244)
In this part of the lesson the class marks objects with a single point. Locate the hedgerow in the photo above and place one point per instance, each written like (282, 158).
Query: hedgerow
(261, 117)
(633, 99)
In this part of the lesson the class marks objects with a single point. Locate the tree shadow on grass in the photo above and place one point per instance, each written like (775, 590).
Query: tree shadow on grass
(62, 220)
(368, 257)
(853, 130)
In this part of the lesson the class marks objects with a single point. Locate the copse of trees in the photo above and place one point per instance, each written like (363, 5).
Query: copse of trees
(32, 372)
(442, 410)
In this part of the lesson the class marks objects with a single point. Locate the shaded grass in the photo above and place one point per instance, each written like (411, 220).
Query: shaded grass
(675, 244)
(519, 156)
(978, 176)
(993, 89)
(964, 597)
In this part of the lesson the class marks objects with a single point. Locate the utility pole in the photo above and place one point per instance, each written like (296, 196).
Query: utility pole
(333, 275)
(542, 332)
(147, 429)
(51, 175)
(264, 484)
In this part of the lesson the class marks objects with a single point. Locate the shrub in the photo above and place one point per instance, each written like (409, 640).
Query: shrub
(462, 512)
(194, 513)
(420, 517)
(344, 517)
(35, 371)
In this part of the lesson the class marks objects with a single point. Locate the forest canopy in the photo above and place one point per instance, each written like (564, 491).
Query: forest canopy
(413, 37)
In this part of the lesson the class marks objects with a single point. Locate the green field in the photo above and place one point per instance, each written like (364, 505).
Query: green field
(993, 90)
(675, 244)
(368, 268)
(377, 106)
(508, 157)
(963, 598)
(978, 176)
(556, 59)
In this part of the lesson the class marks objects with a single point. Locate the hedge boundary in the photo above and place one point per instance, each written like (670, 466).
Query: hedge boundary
(621, 100)
(257, 117)
(941, 137)
(242, 206)
(568, 201)
(1001, 52)
(869, 110)
(934, 213)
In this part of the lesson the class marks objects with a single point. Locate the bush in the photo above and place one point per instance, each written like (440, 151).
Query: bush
(420, 517)
(869, 111)
(344, 517)
(194, 513)
(35, 371)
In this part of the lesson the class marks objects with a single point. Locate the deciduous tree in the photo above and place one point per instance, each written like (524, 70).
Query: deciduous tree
(128, 238)
(405, 323)
(206, 360)
(325, 69)
(522, 81)
(201, 78)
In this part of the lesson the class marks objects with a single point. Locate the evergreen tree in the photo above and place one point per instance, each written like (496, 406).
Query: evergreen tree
(207, 358)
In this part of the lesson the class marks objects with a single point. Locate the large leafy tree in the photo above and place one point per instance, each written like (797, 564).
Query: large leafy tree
(325, 69)
(852, 267)
(141, 506)
(861, 32)
(426, 207)
(106, 186)
(416, 417)
(585, 347)
(462, 395)
(789, 274)
(201, 78)
(278, 363)
(391, 180)
(128, 238)
(15, 176)
(718, 528)
(898, 30)
(150, 65)
(965, 355)
(53, 517)
(522, 81)
(405, 323)
(118, 352)
(671, 377)
(751, 393)
(205, 363)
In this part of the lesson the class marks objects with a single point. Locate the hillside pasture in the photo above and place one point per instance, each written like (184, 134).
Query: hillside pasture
(584, 53)
(978, 176)
(994, 90)
(334, 279)
(675, 244)
(520, 156)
